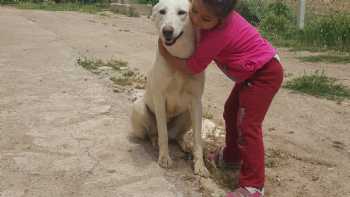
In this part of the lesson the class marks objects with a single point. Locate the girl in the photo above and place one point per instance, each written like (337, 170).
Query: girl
(249, 60)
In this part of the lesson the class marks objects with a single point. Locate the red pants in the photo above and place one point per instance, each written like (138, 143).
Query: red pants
(244, 113)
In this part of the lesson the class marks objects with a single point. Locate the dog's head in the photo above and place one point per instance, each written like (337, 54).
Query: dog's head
(170, 17)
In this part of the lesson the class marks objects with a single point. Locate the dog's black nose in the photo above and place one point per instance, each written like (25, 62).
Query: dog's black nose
(168, 32)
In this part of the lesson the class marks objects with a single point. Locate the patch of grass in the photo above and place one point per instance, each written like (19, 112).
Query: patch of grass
(106, 14)
(208, 115)
(127, 11)
(51, 6)
(122, 81)
(327, 58)
(117, 71)
(125, 78)
(318, 84)
(92, 64)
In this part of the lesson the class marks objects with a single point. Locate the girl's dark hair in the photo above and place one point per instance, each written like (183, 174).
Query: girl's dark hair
(220, 8)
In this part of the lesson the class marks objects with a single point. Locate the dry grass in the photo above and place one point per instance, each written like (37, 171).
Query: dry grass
(117, 71)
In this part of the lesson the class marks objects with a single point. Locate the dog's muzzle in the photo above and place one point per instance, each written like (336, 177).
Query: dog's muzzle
(171, 41)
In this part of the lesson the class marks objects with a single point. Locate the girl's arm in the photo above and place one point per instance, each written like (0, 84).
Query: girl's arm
(208, 47)
(176, 63)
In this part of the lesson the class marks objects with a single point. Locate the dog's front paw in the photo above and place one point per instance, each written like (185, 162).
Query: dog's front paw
(165, 161)
(200, 169)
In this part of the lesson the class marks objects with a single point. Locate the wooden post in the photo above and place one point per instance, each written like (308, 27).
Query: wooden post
(301, 14)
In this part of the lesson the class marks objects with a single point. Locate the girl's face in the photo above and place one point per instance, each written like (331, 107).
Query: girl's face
(201, 17)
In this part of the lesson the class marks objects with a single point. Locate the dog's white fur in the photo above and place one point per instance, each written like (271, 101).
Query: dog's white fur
(172, 102)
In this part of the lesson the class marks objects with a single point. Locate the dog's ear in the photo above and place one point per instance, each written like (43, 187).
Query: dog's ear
(154, 11)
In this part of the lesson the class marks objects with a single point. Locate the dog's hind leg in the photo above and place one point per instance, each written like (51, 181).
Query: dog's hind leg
(143, 123)
(140, 119)
(151, 130)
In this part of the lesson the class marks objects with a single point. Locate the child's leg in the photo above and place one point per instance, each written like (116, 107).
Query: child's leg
(254, 100)
(231, 150)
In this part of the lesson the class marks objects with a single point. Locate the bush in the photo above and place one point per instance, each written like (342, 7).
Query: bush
(82, 1)
(278, 22)
(152, 2)
(277, 26)
(328, 32)
(8, 1)
(280, 9)
(323, 32)
(251, 10)
(56, 1)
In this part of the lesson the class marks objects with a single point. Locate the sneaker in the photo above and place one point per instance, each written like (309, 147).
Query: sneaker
(246, 192)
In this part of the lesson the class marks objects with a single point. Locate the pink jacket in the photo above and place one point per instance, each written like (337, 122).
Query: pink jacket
(236, 47)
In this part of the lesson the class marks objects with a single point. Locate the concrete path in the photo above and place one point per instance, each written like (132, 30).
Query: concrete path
(63, 132)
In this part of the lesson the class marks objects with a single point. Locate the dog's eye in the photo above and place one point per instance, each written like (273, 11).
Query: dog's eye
(162, 12)
(181, 12)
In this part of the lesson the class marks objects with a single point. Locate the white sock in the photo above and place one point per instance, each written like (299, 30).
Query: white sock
(252, 190)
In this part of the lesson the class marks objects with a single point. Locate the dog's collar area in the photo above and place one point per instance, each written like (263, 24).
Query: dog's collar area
(174, 41)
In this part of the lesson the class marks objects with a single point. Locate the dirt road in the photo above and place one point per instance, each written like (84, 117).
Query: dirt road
(63, 132)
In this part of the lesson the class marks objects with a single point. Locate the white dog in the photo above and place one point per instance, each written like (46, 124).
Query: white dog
(172, 101)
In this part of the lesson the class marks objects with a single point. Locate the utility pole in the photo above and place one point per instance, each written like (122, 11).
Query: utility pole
(301, 14)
